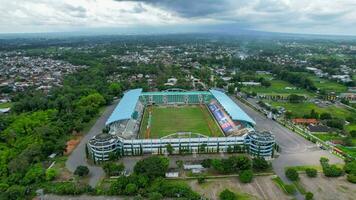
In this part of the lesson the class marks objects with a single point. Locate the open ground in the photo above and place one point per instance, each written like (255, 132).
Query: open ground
(329, 188)
(261, 187)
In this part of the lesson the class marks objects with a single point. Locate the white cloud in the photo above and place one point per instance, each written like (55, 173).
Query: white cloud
(306, 16)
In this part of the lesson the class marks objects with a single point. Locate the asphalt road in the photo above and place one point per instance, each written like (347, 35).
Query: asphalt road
(77, 157)
(295, 150)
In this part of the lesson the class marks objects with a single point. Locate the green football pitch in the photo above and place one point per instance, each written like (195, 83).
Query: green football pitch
(173, 119)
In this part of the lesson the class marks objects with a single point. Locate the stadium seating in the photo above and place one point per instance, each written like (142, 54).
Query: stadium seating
(221, 117)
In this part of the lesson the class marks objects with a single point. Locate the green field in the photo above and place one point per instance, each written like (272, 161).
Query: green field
(168, 120)
(278, 87)
(301, 109)
(5, 105)
(327, 136)
(327, 86)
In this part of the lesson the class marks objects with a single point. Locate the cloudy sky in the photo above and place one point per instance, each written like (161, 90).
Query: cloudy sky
(293, 16)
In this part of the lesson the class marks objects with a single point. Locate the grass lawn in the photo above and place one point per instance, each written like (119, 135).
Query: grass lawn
(278, 87)
(327, 136)
(351, 127)
(301, 109)
(349, 150)
(5, 105)
(168, 120)
(325, 84)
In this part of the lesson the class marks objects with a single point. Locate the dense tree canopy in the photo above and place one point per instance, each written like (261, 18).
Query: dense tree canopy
(152, 167)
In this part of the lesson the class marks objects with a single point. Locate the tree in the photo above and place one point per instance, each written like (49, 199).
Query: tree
(293, 98)
(260, 164)
(314, 114)
(227, 195)
(336, 123)
(115, 89)
(265, 83)
(51, 174)
(325, 115)
(351, 178)
(347, 141)
(201, 179)
(113, 169)
(288, 114)
(324, 160)
(350, 167)
(311, 172)
(309, 196)
(231, 89)
(290, 189)
(170, 149)
(202, 148)
(353, 133)
(130, 189)
(36, 174)
(332, 171)
(292, 174)
(246, 176)
(15, 192)
(81, 171)
(240, 162)
(153, 167)
(206, 163)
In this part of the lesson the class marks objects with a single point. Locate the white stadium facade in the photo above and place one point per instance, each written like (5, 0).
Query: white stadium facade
(124, 123)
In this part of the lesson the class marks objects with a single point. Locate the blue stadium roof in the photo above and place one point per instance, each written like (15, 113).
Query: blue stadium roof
(126, 106)
(235, 112)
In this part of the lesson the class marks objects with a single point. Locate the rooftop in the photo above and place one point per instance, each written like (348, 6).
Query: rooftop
(235, 112)
(126, 106)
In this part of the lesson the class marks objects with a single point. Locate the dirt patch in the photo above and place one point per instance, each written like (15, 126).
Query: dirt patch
(71, 144)
(329, 188)
(261, 188)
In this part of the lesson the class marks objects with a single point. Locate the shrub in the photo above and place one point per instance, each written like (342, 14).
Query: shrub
(173, 189)
(260, 164)
(309, 196)
(67, 188)
(51, 174)
(292, 174)
(155, 196)
(3, 187)
(246, 176)
(15, 192)
(113, 169)
(206, 163)
(130, 189)
(351, 178)
(324, 160)
(353, 133)
(350, 167)
(81, 171)
(227, 195)
(153, 167)
(332, 171)
(311, 172)
(201, 179)
(290, 189)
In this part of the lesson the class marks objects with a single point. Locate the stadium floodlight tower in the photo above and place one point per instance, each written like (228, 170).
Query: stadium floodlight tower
(185, 121)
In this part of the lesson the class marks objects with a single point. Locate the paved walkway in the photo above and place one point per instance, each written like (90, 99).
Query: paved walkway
(77, 157)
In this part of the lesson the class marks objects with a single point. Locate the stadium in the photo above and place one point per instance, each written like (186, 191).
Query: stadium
(186, 121)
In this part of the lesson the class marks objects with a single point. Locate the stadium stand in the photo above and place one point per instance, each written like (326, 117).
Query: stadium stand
(124, 125)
